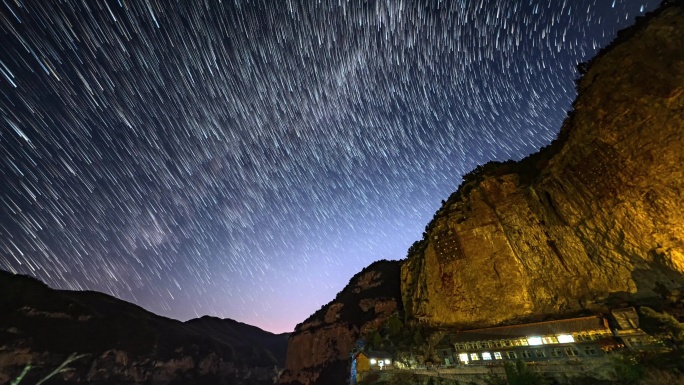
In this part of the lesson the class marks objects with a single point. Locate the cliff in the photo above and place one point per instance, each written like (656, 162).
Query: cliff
(318, 350)
(123, 343)
(595, 218)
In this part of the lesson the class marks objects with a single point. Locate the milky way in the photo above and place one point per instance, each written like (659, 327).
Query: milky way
(245, 159)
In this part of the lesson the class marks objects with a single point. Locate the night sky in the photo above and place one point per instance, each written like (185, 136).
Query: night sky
(245, 159)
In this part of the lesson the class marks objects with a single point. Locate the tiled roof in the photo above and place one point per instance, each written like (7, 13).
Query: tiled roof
(378, 354)
(572, 325)
(626, 318)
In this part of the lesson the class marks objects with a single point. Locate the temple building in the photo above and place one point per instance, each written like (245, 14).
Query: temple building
(367, 362)
(568, 339)
(548, 345)
(626, 327)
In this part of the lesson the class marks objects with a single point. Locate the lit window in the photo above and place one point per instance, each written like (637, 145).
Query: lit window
(511, 355)
(486, 356)
(463, 357)
(565, 339)
(550, 340)
(523, 342)
(497, 355)
(373, 361)
(534, 341)
(387, 361)
(474, 356)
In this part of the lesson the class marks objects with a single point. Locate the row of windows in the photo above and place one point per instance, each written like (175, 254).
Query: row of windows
(491, 344)
(593, 336)
(529, 354)
(546, 340)
(636, 342)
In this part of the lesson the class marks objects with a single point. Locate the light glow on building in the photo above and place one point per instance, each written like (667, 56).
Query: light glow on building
(463, 357)
(565, 338)
(373, 361)
(534, 341)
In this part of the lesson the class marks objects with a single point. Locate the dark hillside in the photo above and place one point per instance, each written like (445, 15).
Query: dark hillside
(125, 343)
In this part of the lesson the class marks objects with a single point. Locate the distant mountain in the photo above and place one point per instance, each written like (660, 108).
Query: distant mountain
(124, 343)
(242, 336)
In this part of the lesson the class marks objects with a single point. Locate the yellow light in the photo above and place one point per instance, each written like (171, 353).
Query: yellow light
(534, 341)
(463, 357)
(387, 361)
(565, 338)
(373, 361)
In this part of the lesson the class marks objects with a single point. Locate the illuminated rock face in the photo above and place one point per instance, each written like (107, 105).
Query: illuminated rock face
(318, 350)
(597, 215)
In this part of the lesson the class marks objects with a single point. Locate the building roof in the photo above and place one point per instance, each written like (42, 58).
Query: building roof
(572, 325)
(626, 318)
(377, 355)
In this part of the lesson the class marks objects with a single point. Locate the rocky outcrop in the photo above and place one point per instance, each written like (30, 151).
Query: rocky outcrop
(318, 350)
(596, 217)
(121, 343)
(593, 220)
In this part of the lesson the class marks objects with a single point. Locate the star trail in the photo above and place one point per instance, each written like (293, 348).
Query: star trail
(245, 158)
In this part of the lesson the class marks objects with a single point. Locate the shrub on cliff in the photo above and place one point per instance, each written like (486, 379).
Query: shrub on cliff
(628, 367)
(394, 326)
(403, 378)
(646, 367)
(663, 326)
(662, 377)
(518, 374)
(370, 379)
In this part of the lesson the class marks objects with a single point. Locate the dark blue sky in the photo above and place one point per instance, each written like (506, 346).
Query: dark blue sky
(245, 158)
